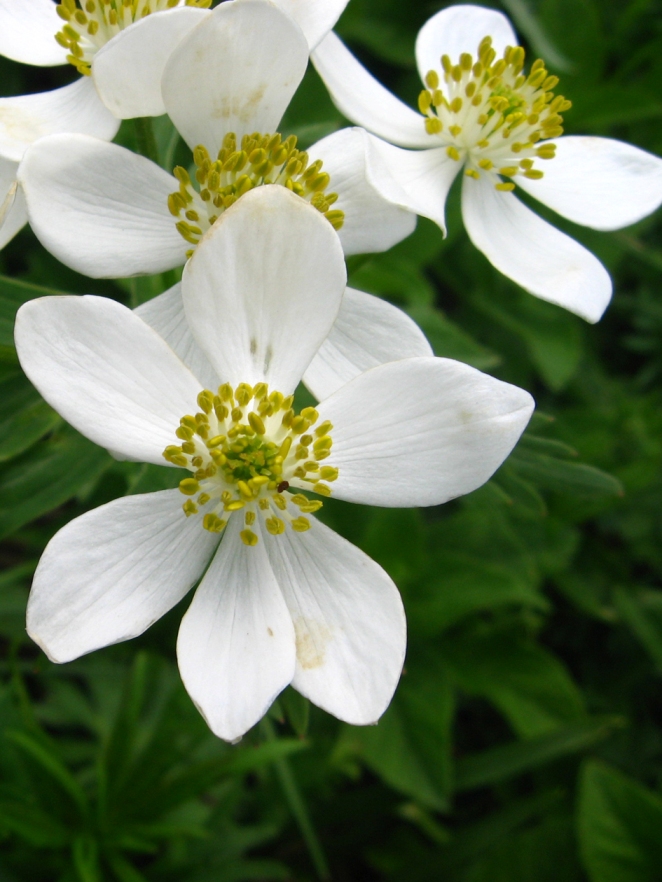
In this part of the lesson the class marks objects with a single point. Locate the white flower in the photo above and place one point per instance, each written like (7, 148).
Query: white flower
(283, 599)
(480, 113)
(107, 212)
(120, 50)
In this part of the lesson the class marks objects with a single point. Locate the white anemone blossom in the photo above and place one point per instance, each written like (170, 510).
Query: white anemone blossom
(108, 212)
(480, 113)
(120, 49)
(282, 598)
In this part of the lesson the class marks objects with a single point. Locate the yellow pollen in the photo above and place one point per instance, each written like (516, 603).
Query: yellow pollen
(490, 114)
(259, 159)
(90, 24)
(247, 450)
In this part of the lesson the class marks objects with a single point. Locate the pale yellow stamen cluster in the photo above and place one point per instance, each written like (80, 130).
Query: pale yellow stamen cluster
(492, 116)
(245, 448)
(261, 159)
(90, 24)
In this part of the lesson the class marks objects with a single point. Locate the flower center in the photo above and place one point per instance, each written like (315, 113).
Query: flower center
(491, 116)
(90, 25)
(262, 159)
(245, 448)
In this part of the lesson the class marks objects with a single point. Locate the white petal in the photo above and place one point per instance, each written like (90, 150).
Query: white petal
(459, 29)
(111, 573)
(27, 32)
(106, 372)
(599, 182)
(421, 431)
(74, 108)
(368, 332)
(264, 287)
(425, 176)
(99, 208)
(314, 18)
(348, 620)
(166, 315)
(363, 100)
(236, 642)
(375, 216)
(127, 71)
(235, 72)
(13, 211)
(532, 252)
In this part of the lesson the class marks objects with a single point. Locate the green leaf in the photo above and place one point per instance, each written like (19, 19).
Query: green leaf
(297, 710)
(409, 748)
(565, 477)
(24, 417)
(619, 824)
(48, 476)
(13, 293)
(642, 612)
(85, 853)
(530, 686)
(461, 586)
(505, 761)
(42, 753)
(397, 279)
(39, 829)
(450, 341)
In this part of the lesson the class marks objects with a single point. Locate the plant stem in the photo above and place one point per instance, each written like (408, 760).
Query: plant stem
(298, 807)
(146, 142)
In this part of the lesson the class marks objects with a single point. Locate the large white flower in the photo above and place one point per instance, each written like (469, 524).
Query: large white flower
(121, 50)
(107, 212)
(479, 112)
(282, 598)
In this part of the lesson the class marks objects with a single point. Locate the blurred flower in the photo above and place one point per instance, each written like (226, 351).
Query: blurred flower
(107, 212)
(481, 113)
(283, 599)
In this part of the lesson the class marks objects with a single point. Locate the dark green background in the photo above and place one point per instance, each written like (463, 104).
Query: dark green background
(524, 743)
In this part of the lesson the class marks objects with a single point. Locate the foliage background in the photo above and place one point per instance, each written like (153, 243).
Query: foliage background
(524, 743)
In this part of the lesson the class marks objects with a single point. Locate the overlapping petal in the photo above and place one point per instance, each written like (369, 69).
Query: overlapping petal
(100, 208)
(459, 29)
(315, 19)
(421, 431)
(106, 372)
(236, 642)
(73, 108)
(13, 211)
(166, 315)
(127, 71)
(363, 100)
(375, 214)
(599, 182)
(368, 332)
(348, 620)
(89, 593)
(261, 312)
(27, 32)
(424, 176)
(533, 253)
(235, 72)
